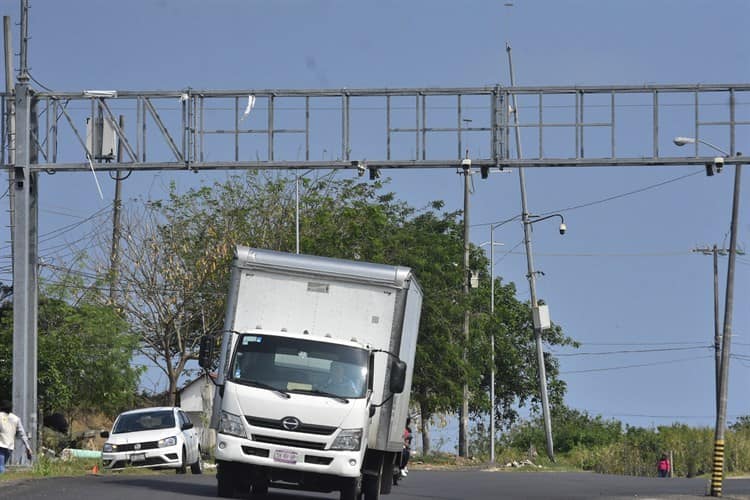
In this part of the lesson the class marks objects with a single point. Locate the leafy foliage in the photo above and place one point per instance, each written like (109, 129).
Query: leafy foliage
(176, 264)
(572, 429)
(84, 354)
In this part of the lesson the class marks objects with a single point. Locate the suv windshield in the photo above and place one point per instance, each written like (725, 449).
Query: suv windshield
(144, 421)
(298, 365)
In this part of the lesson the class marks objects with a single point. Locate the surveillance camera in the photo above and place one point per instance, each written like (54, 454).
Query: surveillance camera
(563, 228)
(718, 164)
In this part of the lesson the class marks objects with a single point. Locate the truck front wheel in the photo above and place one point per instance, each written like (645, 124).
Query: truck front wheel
(352, 490)
(226, 479)
(371, 486)
(259, 488)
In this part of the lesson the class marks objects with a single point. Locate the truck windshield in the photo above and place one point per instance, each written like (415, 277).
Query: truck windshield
(299, 365)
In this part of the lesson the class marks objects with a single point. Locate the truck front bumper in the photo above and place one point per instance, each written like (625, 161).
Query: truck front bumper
(335, 463)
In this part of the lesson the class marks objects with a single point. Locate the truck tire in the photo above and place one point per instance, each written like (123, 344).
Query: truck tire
(225, 481)
(386, 484)
(352, 490)
(259, 489)
(371, 486)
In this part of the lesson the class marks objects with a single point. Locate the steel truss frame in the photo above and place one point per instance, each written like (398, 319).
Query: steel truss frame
(174, 130)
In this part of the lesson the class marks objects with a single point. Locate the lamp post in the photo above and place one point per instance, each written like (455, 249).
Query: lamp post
(717, 474)
(528, 220)
(530, 262)
(492, 337)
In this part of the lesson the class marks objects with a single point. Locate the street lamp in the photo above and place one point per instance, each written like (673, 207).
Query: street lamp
(528, 220)
(492, 337)
(530, 262)
(716, 165)
(721, 411)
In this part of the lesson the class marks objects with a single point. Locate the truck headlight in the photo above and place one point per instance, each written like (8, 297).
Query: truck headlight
(231, 424)
(109, 448)
(348, 439)
(170, 441)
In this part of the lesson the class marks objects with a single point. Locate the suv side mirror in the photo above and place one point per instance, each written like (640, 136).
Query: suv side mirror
(206, 352)
(398, 376)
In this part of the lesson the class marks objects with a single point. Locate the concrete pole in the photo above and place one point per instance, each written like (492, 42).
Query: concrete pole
(531, 275)
(492, 345)
(463, 431)
(296, 207)
(717, 476)
(114, 266)
(717, 333)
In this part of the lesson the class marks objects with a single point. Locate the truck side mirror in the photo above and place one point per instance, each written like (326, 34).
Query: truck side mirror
(206, 352)
(398, 376)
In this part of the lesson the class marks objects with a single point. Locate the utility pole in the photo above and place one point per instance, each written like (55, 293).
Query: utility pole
(715, 251)
(25, 248)
(531, 275)
(114, 267)
(717, 474)
(463, 426)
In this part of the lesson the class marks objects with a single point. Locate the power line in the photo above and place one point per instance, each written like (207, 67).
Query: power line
(632, 351)
(640, 365)
(595, 202)
(629, 193)
(583, 342)
(676, 253)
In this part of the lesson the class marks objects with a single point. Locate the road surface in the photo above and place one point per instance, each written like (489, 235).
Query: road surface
(419, 485)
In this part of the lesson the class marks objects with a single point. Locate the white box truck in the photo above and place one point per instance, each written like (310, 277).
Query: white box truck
(314, 374)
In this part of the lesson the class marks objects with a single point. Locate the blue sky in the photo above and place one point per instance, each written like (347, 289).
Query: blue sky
(623, 278)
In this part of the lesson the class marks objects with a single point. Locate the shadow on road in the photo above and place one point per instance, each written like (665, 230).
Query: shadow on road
(204, 490)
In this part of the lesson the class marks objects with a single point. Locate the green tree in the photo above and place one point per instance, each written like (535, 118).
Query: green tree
(84, 357)
(178, 254)
(432, 244)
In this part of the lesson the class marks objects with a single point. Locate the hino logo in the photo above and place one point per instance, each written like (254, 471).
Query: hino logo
(290, 423)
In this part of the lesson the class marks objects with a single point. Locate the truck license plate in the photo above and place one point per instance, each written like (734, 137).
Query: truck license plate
(285, 456)
(137, 457)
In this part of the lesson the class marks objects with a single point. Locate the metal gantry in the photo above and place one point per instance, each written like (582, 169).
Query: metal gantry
(197, 130)
(387, 128)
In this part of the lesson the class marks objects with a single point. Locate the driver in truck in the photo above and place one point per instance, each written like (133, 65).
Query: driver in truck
(339, 383)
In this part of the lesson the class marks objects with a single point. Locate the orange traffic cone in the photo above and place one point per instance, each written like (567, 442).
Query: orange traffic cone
(95, 469)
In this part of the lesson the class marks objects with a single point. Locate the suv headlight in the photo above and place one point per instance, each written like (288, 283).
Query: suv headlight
(170, 441)
(348, 439)
(231, 424)
(109, 448)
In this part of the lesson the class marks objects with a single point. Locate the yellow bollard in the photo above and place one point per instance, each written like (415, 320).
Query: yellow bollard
(718, 472)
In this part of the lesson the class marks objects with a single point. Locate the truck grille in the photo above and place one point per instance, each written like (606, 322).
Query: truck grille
(288, 442)
(270, 423)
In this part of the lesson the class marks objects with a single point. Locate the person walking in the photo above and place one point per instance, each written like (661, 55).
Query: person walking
(408, 436)
(10, 429)
(664, 467)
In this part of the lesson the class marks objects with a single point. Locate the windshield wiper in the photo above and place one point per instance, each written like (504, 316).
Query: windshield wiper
(318, 392)
(261, 385)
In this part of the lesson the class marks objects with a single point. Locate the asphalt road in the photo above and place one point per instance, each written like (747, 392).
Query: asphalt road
(420, 485)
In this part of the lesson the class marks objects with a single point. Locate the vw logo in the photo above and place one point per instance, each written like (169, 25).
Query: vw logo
(137, 446)
(290, 423)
